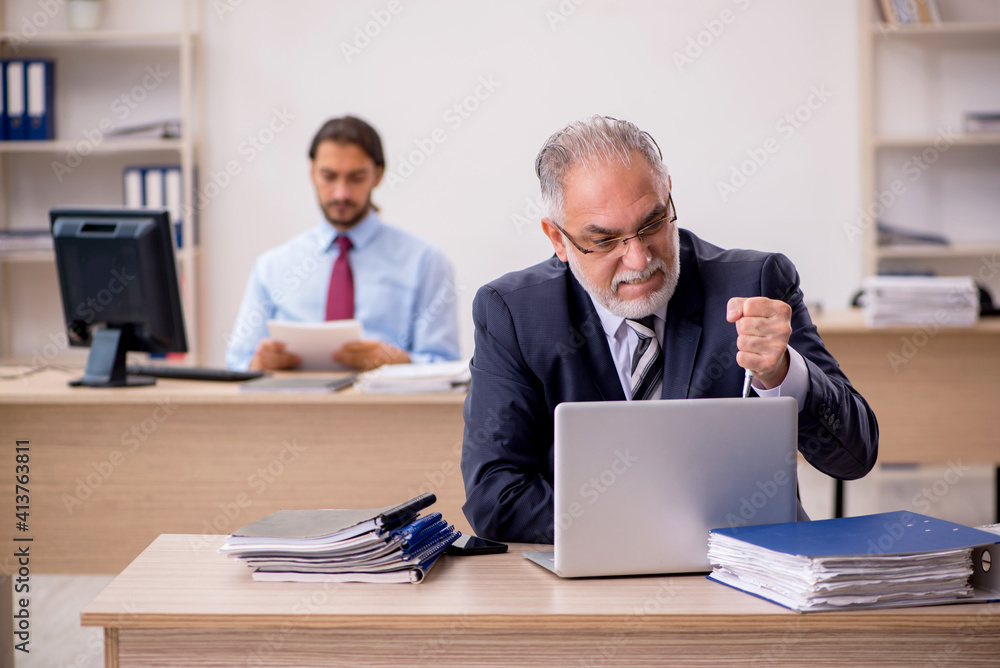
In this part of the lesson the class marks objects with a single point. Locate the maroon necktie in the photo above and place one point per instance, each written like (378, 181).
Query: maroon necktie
(340, 296)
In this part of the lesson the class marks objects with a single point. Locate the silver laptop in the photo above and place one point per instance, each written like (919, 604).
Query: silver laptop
(639, 484)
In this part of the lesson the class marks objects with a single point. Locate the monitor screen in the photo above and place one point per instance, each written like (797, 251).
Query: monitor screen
(118, 281)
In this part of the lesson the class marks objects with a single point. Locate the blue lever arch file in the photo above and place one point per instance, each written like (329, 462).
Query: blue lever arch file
(3, 100)
(883, 560)
(15, 102)
(39, 99)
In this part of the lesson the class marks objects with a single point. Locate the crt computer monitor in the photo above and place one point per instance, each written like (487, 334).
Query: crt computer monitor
(118, 281)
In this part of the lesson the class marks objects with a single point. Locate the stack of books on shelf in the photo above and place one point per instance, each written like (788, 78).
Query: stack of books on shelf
(18, 241)
(417, 378)
(894, 559)
(981, 122)
(389, 545)
(949, 301)
(908, 12)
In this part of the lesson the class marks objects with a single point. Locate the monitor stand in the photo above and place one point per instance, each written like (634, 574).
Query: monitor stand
(106, 362)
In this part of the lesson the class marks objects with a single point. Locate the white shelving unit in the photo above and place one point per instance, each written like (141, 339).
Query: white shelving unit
(920, 170)
(28, 185)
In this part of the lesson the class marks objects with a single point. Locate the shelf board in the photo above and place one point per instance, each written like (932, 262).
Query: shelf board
(48, 255)
(932, 251)
(110, 145)
(28, 256)
(945, 28)
(922, 141)
(95, 37)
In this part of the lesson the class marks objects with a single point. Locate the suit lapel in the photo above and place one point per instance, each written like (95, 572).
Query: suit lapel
(595, 352)
(683, 330)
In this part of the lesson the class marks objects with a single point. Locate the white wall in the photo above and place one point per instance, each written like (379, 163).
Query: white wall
(553, 61)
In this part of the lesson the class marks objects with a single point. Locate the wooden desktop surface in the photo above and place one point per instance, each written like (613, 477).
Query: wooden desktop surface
(183, 604)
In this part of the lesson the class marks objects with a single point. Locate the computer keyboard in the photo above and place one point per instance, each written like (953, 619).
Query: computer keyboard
(193, 373)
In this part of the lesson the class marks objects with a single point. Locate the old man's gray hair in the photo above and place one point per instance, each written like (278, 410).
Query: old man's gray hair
(592, 142)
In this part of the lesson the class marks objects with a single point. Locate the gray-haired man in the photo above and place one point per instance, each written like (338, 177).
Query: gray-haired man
(625, 278)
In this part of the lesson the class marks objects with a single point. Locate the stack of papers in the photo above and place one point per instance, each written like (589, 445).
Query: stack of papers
(950, 301)
(417, 378)
(12, 241)
(884, 560)
(391, 544)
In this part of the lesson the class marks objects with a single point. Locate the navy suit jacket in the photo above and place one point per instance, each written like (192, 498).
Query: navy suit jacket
(539, 342)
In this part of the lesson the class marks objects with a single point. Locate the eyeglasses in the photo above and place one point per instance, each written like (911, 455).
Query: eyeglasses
(605, 246)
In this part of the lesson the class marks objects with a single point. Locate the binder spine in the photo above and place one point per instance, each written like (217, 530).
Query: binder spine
(16, 86)
(418, 537)
(3, 100)
(39, 93)
(432, 546)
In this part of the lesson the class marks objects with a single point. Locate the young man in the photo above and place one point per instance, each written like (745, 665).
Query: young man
(351, 265)
(633, 307)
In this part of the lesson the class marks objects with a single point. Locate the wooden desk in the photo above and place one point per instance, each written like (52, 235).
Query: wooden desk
(182, 604)
(934, 392)
(111, 469)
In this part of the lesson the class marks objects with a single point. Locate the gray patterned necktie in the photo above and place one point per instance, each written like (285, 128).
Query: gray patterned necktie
(647, 362)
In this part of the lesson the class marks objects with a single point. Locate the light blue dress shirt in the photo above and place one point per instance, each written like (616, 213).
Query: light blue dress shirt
(404, 291)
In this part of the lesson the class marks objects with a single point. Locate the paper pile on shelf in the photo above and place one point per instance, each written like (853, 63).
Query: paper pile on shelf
(389, 545)
(885, 560)
(16, 241)
(950, 301)
(416, 378)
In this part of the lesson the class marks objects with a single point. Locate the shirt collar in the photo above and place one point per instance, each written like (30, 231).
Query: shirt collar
(614, 325)
(360, 235)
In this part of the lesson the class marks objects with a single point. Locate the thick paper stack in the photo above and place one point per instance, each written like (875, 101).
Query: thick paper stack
(416, 378)
(884, 560)
(391, 544)
(932, 301)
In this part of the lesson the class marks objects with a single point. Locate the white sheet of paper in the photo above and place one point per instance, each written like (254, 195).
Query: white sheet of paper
(315, 342)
